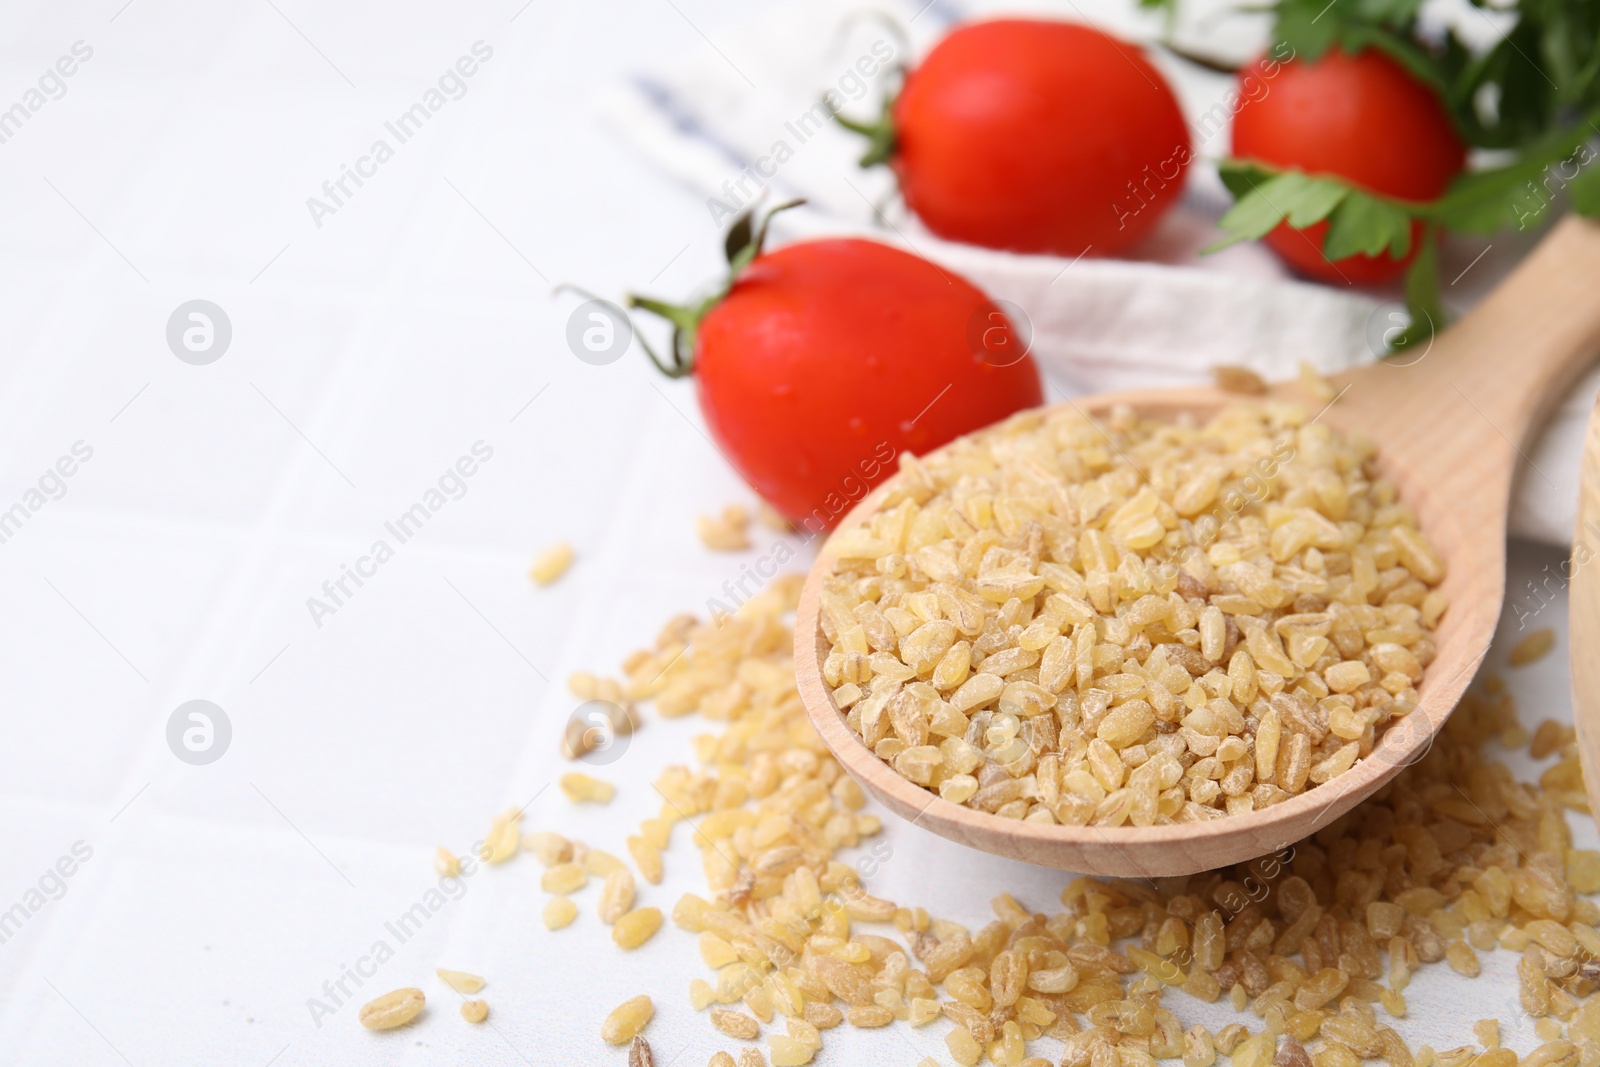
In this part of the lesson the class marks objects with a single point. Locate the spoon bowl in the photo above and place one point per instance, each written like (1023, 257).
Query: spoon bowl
(1450, 425)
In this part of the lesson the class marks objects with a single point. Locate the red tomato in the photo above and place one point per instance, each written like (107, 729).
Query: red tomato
(1038, 136)
(1361, 117)
(829, 358)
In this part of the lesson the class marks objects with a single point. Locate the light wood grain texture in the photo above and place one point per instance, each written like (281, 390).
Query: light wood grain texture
(1450, 425)
(1583, 614)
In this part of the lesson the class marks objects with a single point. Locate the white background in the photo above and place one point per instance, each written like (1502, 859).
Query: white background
(367, 356)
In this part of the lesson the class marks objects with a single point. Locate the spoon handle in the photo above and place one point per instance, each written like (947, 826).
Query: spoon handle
(1504, 365)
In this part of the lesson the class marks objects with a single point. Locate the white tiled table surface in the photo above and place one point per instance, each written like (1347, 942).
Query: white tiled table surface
(367, 356)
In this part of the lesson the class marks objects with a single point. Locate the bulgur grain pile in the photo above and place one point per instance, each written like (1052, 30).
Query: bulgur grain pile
(1314, 946)
(1134, 622)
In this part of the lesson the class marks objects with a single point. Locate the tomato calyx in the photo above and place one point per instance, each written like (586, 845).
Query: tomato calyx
(741, 246)
(880, 134)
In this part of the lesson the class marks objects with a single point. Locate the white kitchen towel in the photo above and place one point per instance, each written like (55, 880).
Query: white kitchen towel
(740, 119)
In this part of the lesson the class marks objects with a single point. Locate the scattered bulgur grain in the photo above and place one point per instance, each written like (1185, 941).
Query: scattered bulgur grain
(1290, 1053)
(751, 1057)
(657, 831)
(395, 1008)
(564, 878)
(785, 1051)
(1556, 1052)
(1487, 1031)
(964, 1048)
(1255, 1051)
(822, 1016)
(460, 981)
(636, 927)
(583, 685)
(1384, 919)
(1198, 1048)
(559, 912)
(1456, 851)
(721, 1059)
(551, 564)
(549, 848)
(580, 787)
(1462, 959)
(504, 837)
(759, 1000)
(600, 863)
(1229, 1037)
(640, 1055)
(727, 532)
(1532, 648)
(1514, 736)
(602, 722)
(627, 1019)
(716, 952)
(647, 856)
(474, 1011)
(1548, 738)
(445, 863)
(1553, 937)
(735, 1024)
(1235, 379)
(868, 1016)
(616, 896)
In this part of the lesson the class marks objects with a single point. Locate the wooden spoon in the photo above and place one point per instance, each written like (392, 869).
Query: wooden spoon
(1450, 426)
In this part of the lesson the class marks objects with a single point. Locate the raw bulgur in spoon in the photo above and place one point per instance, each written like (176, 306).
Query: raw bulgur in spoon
(1066, 621)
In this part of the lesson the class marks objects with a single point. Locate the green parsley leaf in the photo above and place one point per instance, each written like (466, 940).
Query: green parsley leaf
(1422, 295)
(1243, 175)
(1487, 200)
(1396, 11)
(1367, 225)
(1304, 26)
(1585, 190)
(1312, 200)
(1251, 218)
(1299, 199)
